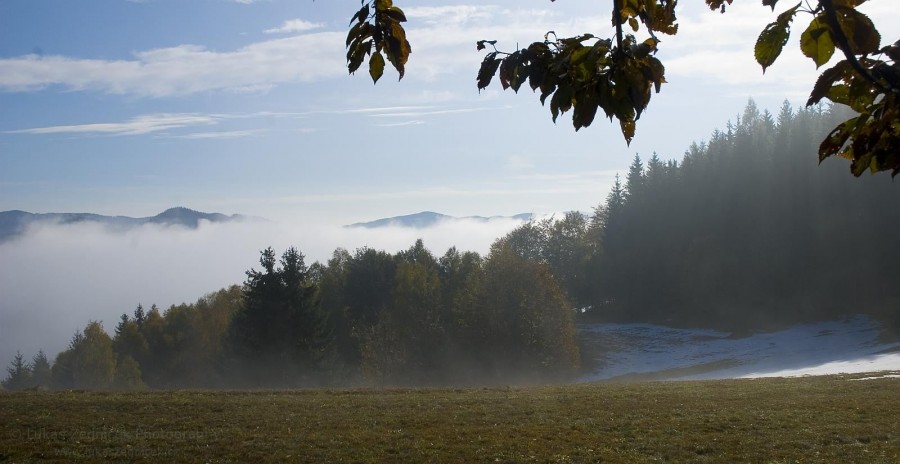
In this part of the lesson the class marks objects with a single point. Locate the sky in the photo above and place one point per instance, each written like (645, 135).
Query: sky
(245, 106)
(130, 107)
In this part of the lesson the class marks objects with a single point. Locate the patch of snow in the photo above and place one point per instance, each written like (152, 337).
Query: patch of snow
(876, 377)
(657, 352)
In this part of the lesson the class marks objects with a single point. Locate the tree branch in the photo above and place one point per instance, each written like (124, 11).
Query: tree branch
(617, 15)
(841, 41)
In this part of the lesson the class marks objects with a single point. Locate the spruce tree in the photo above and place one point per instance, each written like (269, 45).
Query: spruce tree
(18, 373)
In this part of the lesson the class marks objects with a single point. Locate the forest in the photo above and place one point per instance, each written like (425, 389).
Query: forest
(745, 233)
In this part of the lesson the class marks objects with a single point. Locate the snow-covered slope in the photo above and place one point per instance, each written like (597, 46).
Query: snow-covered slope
(645, 351)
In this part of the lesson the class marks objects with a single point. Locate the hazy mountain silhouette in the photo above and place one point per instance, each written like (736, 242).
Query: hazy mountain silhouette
(428, 219)
(14, 223)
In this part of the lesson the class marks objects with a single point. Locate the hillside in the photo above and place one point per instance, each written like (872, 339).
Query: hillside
(14, 223)
(428, 219)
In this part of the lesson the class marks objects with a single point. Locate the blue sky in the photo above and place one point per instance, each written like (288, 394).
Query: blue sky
(130, 107)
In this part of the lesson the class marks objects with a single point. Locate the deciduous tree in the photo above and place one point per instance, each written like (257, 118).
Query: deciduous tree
(618, 74)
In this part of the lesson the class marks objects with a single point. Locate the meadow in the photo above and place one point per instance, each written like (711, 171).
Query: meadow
(810, 419)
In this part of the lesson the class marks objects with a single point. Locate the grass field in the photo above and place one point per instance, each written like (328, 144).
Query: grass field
(817, 419)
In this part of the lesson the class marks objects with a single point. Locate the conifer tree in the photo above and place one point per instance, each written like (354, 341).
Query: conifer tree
(18, 374)
(41, 375)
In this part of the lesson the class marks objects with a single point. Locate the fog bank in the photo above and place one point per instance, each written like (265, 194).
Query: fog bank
(55, 278)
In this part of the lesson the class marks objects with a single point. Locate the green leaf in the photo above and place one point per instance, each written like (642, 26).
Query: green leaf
(860, 94)
(770, 43)
(772, 39)
(717, 4)
(396, 46)
(839, 94)
(585, 108)
(816, 41)
(487, 70)
(633, 23)
(376, 66)
(826, 80)
(357, 54)
(836, 139)
(539, 56)
(561, 101)
(359, 32)
(361, 15)
(627, 125)
(770, 3)
(657, 73)
(508, 73)
(397, 14)
(860, 31)
(848, 3)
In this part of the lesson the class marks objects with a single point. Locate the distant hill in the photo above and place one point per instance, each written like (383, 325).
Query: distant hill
(14, 223)
(428, 219)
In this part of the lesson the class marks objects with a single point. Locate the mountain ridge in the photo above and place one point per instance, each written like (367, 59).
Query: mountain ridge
(426, 219)
(13, 223)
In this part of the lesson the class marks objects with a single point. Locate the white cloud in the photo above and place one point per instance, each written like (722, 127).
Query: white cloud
(162, 122)
(414, 122)
(220, 134)
(294, 25)
(383, 109)
(439, 47)
(708, 45)
(450, 13)
(134, 126)
(253, 89)
(184, 69)
(425, 113)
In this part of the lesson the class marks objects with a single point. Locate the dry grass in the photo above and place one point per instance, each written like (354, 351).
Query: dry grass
(821, 419)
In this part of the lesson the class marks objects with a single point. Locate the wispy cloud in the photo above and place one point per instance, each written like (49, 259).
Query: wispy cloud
(184, 69)
(450, 13)
(414, 122)
(409, 114)
(294, 25)
(163, 122)
(382, 109)
(415, 112)
(135, 126)
(220, 134)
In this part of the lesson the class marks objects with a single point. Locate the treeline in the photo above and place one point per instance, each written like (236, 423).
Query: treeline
(747, 232)
(362, 318)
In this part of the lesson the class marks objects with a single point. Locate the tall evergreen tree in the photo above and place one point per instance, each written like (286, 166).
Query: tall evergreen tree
(41, 375)
(279, 333)
(18, 374)
(634, 182)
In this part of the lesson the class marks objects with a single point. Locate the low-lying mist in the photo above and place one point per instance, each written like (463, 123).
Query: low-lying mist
(55, 278)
